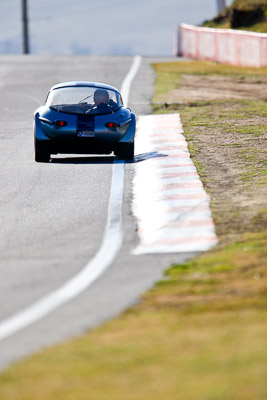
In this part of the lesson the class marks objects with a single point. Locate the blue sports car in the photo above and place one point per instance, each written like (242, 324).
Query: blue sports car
(83, 118)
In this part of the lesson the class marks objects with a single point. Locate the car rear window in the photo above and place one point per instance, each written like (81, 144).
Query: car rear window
(84, 100)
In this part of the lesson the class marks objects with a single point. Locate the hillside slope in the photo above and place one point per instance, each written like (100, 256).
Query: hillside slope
(242, 14)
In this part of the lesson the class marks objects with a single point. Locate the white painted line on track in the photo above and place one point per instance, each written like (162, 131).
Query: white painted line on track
(170, 204)
(126, 85)
(108, 251)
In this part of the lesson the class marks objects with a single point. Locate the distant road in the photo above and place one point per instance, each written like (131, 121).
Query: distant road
(53, 216)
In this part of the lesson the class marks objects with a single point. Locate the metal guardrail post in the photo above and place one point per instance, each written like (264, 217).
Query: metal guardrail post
(221, 4)
(26, 49)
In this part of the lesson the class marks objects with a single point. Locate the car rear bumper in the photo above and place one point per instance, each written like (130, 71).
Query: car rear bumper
(73, 144)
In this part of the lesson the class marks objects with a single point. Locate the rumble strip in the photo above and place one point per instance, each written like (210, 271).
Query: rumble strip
(170, 203)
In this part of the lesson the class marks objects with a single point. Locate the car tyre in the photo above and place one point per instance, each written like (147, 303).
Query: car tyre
(126, 151)
(42, 153)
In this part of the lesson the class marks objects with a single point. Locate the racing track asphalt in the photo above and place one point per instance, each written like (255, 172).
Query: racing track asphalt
(52, 216)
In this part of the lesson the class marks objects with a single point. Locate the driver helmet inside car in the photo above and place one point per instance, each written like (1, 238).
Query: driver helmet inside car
(101, 96)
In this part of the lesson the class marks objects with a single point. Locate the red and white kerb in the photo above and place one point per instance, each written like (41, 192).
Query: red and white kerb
(170, 204)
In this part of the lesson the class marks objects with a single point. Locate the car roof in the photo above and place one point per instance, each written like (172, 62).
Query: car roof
(84, 83)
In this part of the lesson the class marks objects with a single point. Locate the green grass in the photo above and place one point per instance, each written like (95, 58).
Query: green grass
(205, 323)
(170, 74)
(232, 117)
(260, 27)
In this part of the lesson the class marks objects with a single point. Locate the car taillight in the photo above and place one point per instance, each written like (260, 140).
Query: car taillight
(111, 125)
(61, 123)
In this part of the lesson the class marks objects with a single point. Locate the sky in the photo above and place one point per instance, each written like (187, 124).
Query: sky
(103, 27)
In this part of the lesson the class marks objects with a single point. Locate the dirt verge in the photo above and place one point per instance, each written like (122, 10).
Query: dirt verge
(199, 87)
(225, 124)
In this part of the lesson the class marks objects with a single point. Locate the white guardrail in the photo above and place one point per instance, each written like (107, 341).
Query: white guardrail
(243, 48)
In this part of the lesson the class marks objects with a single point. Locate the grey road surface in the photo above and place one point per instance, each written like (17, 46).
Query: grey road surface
(52, 216)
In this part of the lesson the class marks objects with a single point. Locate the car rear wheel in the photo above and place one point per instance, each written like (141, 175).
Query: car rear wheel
(126, 151)
(42, 153)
